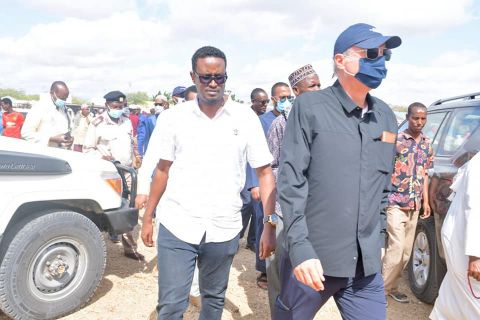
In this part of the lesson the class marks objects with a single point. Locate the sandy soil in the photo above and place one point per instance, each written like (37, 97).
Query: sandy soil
(129, 291)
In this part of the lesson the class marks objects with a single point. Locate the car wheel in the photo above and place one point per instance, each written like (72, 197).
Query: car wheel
(425, 269)
(52, 266)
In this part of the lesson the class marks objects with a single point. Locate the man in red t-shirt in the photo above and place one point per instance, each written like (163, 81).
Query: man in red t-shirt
(12, 121)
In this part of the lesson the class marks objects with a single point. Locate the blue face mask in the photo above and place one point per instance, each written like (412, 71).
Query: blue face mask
(284, 106)
(59, 103)
(371, 72)
(115, 113)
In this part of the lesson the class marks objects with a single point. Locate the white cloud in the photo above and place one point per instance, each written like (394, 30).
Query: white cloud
(84, 9)
(451, 74)
(147, 45)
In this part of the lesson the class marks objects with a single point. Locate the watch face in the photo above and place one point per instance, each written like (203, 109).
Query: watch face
(274, 218)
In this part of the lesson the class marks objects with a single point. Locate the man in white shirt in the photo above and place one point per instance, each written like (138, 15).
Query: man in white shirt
(48, 123)
(204, 147)
(81, 122)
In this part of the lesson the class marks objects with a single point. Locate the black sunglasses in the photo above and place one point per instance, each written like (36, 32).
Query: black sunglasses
(282, 99)
(262, 102)
(374, 53)
(207, 78)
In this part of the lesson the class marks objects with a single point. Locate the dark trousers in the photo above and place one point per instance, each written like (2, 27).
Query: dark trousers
(248, 215)
(258, 209)
(357, 298)
(176, 264)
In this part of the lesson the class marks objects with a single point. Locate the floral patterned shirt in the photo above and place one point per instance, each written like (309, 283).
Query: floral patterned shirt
(274, 141)
(411, 164)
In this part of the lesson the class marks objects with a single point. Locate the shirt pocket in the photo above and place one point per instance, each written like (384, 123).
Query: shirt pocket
(383, 155)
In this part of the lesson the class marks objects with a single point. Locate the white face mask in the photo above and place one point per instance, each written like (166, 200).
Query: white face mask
(159, 109)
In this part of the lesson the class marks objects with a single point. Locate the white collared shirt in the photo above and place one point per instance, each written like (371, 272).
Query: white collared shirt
(106, 137)
(43, 121)
(208, 171)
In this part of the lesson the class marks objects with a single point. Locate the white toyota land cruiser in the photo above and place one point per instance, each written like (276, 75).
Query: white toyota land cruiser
(54, 205)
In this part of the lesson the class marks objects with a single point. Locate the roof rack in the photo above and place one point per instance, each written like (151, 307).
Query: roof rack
(469, 96)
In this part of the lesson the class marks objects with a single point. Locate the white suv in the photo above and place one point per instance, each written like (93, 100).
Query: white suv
(54, 205)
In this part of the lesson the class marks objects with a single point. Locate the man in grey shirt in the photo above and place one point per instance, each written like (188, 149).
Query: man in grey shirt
(333, 183)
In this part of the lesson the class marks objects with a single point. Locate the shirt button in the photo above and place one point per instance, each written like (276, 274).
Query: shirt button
(354, 258)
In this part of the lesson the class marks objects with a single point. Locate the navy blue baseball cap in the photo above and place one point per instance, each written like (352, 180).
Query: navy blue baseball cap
(364, 36)
(179, 91)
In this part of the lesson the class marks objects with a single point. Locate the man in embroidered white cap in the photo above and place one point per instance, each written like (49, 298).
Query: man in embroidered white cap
(304, 79)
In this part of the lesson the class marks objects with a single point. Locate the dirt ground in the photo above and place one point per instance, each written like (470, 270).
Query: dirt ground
(129, 291)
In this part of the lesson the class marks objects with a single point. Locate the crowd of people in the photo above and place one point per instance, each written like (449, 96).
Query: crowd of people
(319, 181)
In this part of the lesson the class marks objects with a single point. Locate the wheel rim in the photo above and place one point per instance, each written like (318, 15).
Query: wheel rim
(421, 259)
(57, 269)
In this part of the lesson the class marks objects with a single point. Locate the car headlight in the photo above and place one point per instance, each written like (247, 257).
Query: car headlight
(114, 180)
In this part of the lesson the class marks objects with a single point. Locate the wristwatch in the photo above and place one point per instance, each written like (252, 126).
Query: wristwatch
(271, 218)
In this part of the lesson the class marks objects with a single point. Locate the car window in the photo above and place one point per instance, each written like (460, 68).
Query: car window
(464, 122)
(434, 121)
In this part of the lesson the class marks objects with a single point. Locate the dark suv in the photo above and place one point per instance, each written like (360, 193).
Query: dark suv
(453, 125)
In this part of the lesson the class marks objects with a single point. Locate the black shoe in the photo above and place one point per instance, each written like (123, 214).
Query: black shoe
(250, 247)
(135, 256)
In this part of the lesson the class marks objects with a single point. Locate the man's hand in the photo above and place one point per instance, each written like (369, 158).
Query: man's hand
(474, 267)
(141, 201)
(138, 161)
(426, 211)
(310, 273)
(60, 138)
(255, 191)
(267, 241)
(147, 232)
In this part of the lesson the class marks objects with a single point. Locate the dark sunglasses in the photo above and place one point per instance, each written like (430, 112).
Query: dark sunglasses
(374, 53)
(157, 104)
(206, 79)
(262, 102)
(282, 99)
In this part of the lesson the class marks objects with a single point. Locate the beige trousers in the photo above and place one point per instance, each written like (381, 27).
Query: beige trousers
(401, 225)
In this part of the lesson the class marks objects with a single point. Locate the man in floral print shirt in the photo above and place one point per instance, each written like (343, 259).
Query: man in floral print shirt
(409, 194)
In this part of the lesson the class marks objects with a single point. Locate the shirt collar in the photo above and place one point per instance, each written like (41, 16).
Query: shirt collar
(347, 102)
(227, 107)
(408, 136)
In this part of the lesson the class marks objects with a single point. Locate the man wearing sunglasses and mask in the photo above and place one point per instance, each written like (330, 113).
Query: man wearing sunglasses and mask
(333, 183)
(48, 123)
(204, 146)
(302, 80)
(282, 100)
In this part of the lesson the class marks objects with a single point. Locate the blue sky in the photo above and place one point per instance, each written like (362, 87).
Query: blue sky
(128, 45)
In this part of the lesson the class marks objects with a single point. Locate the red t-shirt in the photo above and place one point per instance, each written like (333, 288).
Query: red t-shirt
(12, 124)
(134, 121)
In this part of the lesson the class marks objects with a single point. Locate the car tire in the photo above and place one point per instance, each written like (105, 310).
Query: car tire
(425, 268)
(51, 266)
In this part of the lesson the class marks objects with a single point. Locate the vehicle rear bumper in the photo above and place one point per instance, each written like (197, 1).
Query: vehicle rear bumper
(123, 219)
